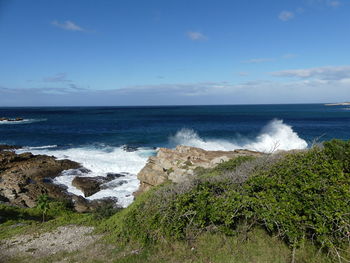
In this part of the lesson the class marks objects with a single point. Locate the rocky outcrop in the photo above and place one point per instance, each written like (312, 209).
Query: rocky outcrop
(8, 119)
(24, 177)
(178, 164)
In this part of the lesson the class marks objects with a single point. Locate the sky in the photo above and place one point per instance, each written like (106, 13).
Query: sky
(183, 52)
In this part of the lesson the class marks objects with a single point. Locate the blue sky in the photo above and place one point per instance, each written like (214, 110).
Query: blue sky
(166, 52)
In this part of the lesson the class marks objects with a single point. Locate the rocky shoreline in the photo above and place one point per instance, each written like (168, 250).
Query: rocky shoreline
(24, 177)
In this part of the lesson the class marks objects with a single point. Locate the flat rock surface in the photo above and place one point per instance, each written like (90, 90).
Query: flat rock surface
(66, 238)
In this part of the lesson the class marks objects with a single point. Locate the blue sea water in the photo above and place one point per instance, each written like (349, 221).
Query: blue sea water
(152, 126)
(96, 136)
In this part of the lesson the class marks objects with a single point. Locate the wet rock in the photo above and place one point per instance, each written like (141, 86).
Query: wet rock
(129, 148)
(114, 175)
(8, 119)
(92, 185)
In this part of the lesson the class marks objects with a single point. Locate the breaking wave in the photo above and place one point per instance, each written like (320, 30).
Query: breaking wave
(100, 162)
(276, 135)
(24, 121)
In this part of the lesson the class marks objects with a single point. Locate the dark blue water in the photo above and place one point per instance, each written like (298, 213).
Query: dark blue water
(152, 126)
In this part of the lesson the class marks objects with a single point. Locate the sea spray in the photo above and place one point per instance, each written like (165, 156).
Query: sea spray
(276, 135)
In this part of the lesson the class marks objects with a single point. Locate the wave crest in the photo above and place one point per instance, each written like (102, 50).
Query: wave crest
(24, 121)
(276, 135)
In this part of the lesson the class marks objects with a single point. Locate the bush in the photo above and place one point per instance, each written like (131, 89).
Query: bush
(106, 211)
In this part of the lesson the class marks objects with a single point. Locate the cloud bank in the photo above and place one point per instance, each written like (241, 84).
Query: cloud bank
(322, 84)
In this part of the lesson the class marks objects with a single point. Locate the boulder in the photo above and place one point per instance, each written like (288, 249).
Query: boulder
(91, 185)
(179, 164)
(8, 119)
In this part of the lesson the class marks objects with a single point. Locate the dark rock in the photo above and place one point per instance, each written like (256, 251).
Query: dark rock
(83, 205)
(91, 185)
(8, 119)
(129, 148)
(4, 147)
(88, 185)
(112, 184)
(113, 176)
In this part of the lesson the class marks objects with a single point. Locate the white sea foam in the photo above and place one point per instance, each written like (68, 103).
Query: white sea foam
(40, 147)
(276, 135)
(100, 162)
(24, 121)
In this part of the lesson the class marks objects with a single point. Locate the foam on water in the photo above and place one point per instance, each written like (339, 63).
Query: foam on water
(100, 162)
(24, 121)
(276, 135)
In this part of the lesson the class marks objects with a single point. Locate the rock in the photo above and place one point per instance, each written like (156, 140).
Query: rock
(179, 164)
(83, 205)
(88, 185)
(8, 119)
(24, 177)
(129, 148)
(5, 147)
(91, 185)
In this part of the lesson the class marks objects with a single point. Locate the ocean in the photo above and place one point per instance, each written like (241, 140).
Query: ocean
(120, 139)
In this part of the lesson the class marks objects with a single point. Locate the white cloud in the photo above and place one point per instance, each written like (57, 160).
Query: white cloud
(257, 60)
(322, 73)
(68, 25)
(286, 15)
(304, 90)
(195, 35)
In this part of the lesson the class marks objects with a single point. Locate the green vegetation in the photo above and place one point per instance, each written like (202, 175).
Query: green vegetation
(277, 208)
(43, 205)
(300, 197)
(16, 220)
